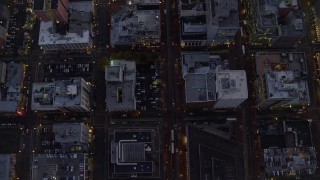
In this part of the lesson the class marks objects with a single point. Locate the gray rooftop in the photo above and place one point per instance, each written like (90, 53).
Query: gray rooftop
(199, 74)
(10, 97)
(71, 132)
(4, 166)
(133, 25)
(58, 166)
(61, 94)
(120, 94)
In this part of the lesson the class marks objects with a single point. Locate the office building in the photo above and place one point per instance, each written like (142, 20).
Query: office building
(11, 81)
(211, 156)
(71, 132)
(134, 152)
(65, 95)
(281, 79)
(60, 166)
(120, 85)
(208, 22)
(208, 78)
(75, 35)
(231, 88)
(276, 23)
(8, 166)
(137, 23)
(4, 24)
(51, 10)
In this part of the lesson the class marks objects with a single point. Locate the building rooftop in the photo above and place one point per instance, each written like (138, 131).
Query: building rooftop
(199, 74)
(10, 96)
(136, 23)
(132, 152)
(224, 13)
(71, 133)
(5, 166)
(231, 84)
(222, 158)
(59, 166)
(277, 61)
(77, 31)
(62, 93)
(120, 92)
(285, 76)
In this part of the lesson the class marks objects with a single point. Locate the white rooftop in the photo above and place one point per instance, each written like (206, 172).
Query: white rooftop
(231, 84)
(79, 26)
(284, 85)
(47, 37)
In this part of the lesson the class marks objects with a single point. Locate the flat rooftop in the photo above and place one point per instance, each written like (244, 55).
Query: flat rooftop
(199, 74)
(120, 93)
(10, 96)
(59, 166)
(231, 84)
(62, 93)
(133, 152)
(271, 61)
(285, 76)
(284, 85)
(5, 166)
(224, 10)
(137, 23)
(79, 26)
(218, 158)
(71, 132)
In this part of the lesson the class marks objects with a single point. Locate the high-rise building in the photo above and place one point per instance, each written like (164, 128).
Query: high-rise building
(51, 10)
(74, 35)
(8, 166)
(208, 79)
(231, 88)
(208, 22)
